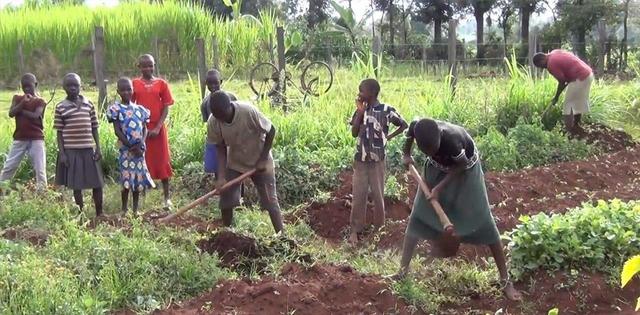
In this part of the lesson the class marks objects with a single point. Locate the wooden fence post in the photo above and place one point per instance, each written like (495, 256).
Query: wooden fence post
(98, 65)
(376, 50)
(202, 65)
(156, 53)
(216, 53)
(452, 55)
(531, 51)
(424, 57)
(281, 62)
(21, 67)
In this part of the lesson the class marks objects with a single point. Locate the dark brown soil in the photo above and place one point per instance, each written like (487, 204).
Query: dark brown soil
(318, 290)
(605, 138)
(33, 236)
(185, 221)
(233, 249)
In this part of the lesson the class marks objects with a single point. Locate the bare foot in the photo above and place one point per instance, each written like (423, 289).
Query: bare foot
(511, 293)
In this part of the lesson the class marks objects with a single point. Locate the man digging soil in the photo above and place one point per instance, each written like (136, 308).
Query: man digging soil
(243, 137)
(575, 76)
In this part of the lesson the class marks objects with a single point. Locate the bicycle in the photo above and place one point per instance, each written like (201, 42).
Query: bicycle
(316, 79)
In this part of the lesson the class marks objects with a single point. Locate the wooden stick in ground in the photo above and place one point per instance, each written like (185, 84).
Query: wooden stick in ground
(206, 197)
(446, 223)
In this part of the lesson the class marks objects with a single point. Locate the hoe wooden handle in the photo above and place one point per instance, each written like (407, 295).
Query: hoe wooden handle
(446, 224)
(210, 194)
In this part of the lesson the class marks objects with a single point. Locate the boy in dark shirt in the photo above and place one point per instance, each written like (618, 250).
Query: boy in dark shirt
(370, 125)
(28, 138)
(454, 173)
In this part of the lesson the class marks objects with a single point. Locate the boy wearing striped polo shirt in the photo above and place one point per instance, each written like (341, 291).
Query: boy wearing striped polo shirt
(78, 165)
(370, 125)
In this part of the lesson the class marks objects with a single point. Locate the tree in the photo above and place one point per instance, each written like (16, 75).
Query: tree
(580, 16)
(480, 7)
(506, 10)
(317, 13)
(346, 23)
(526, 8)
(625, 32)
(436, 12)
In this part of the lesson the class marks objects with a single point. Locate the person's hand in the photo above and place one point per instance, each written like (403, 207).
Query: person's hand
(407, 161)
(97, 156)
(220, 183)
(63, 159)
(261, 165)
(360, 105)
(435, 193)
(136, 150)
(154, 132)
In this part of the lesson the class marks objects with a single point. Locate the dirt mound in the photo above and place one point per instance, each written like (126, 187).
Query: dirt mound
(321, 289)
(33, 236)
(581, 293)
(234, 250)
(561, 186)
(605, 138)
(332, 219)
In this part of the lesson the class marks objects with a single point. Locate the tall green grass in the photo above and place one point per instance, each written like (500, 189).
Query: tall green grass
(313, 141)
(59, 37)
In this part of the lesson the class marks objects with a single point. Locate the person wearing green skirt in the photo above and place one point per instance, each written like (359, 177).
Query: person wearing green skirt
(454, 173)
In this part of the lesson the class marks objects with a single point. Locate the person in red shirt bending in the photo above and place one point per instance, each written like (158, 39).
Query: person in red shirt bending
(153, 93)
(574, 75)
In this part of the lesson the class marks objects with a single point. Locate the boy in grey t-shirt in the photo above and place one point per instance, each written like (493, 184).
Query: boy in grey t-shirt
(243, 137)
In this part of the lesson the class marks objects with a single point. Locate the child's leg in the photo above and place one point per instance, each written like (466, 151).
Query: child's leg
(16, 153)
(136, 199)
(77, 196)
(229, 198)
(501, 263)
(38, 156)
(376, 180)
(266, 186)
(125, 199)
(360, 189)
(408, 248)
(165, 191)
(97, 200)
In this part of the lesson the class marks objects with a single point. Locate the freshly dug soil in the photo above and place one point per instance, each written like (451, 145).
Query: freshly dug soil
(318, 290)
(234, 250)
(33, 236)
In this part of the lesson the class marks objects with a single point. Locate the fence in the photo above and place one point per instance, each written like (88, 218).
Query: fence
(451, 57)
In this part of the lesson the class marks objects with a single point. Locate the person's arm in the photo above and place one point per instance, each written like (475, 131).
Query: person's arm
(16, 107)
(62, 154)
(400, 123)
(117, 127)
(356, 119)
(561, 86)
(163, 117)
(461, 162)
(97, 155)
(268, 143)
(36, 114)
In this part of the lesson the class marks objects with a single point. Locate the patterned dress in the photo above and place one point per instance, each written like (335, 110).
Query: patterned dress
(133, 118)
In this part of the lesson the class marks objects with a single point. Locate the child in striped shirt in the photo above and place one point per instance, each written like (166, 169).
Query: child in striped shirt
(78, 164)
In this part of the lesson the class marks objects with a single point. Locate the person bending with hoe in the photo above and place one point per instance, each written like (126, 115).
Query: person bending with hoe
(574, 75)
(243, 137)
(454, 174)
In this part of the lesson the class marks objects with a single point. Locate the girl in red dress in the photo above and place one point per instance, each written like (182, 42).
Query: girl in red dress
(154, 94)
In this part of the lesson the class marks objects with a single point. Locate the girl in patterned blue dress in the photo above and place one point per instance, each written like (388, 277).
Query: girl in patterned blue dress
(130, 124)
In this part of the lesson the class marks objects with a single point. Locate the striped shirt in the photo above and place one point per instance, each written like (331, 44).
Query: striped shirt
(76, 123)
(373, 131)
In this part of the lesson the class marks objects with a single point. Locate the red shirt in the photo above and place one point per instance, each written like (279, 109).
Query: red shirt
(566, 67)
(29, 128)
(153, 95)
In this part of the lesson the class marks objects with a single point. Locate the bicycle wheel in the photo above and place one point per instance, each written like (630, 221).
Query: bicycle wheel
(317, 78)
(264, 76)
